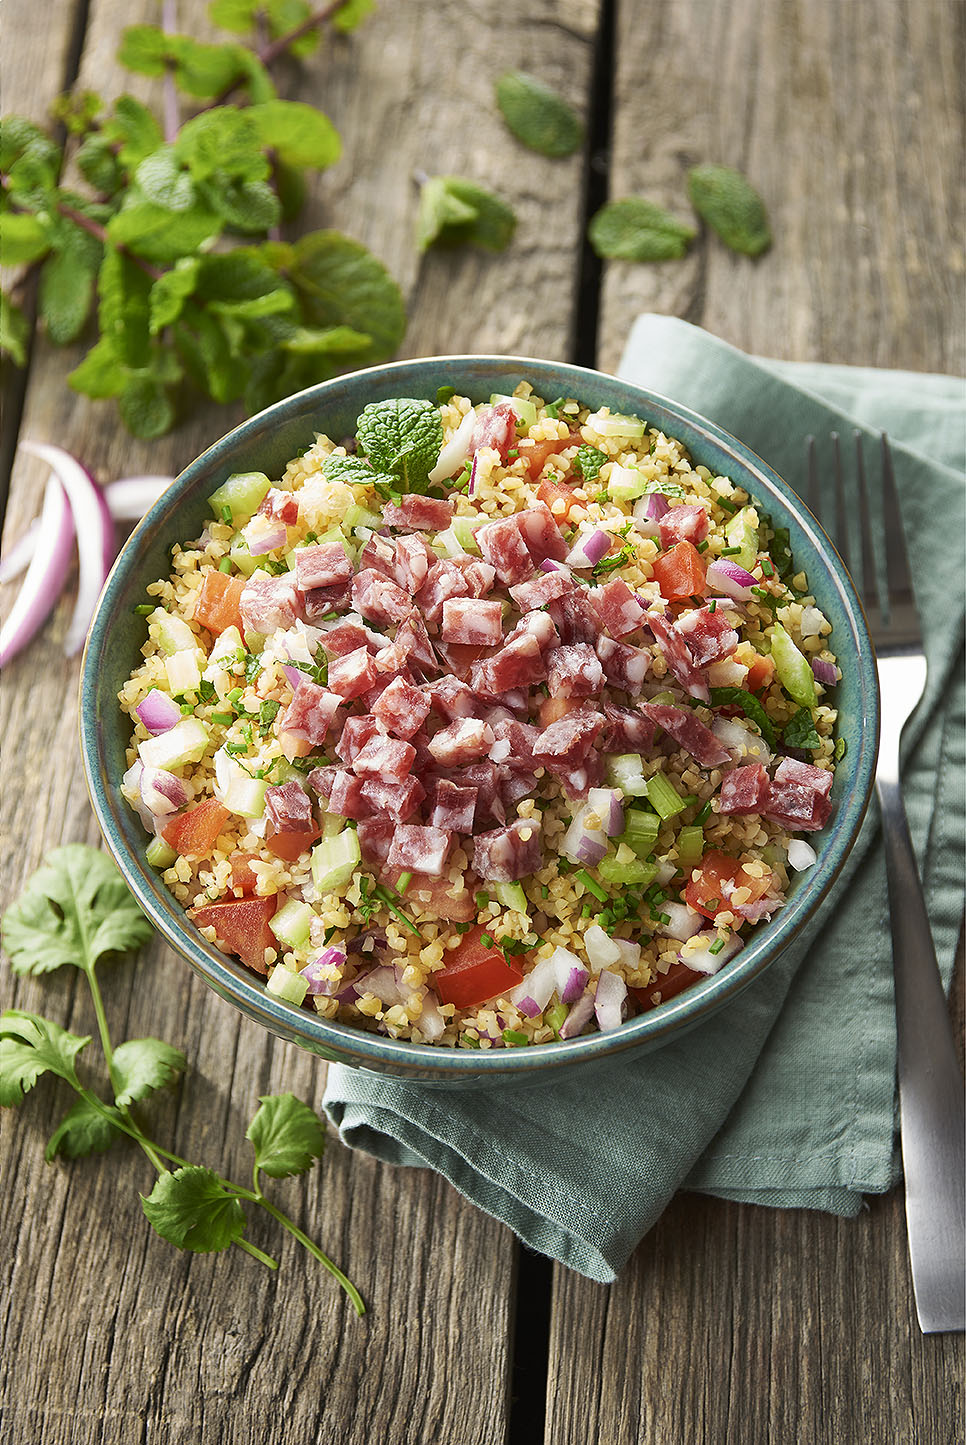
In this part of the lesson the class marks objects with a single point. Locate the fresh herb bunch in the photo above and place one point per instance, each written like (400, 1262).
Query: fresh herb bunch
(76, 910)
(177, 236)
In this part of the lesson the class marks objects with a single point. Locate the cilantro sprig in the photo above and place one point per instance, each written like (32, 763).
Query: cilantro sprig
(76, 911)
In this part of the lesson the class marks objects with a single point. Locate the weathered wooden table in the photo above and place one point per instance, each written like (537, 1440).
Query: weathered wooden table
(730, 1323)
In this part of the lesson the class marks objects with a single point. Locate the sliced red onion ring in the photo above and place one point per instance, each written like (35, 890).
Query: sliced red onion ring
(731, 579)
(96, 542)
(158, 712)
(589, 549)
(456, 450)
(578, 1017)
(609, 1002)
(45, 577)
(825, 672)
(127, 501)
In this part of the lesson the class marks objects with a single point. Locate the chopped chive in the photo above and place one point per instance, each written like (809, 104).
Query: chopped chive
(729, 551)
(403, 882)
(766, 567)
(226, 515)
(482, 899)
(713, 605)
(487, 940)
(144, 609)
(727, 506)
(224, 565)
(235, 694)
(467, 1041)
(841, 748)
(555, 1017)
(664, 918)
(714, 903)
(515, 1038)
(702, 817)
(717, 946)
(186, 707)
(702, 546)
(582, 876)
(223, 719)
(545, 891)
(513, 452)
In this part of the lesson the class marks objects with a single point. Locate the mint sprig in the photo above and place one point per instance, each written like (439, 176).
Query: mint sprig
(76, 910)
(402, 437)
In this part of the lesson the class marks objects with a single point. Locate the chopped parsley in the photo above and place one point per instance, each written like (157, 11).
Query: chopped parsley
(253, 666)
(750, 706)
(266, 716)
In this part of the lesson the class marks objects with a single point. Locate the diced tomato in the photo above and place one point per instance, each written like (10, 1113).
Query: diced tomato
(552, 709)
(241, 926)
(679, 572)
(668, 985)
(219, 600)
(432, 895)
(193, 832)
(555, 493)
(760, 673)
(242, 876)
(719, 874)
(475, 972)
(291, 845)
(535, 455)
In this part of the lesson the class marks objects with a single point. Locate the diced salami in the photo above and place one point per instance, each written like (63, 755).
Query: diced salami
(790, 770)
(379, 555)
(289, 808)
(530, 595)
(352, 675)
(379, 598)
(689, 732)
(519, 664)
(268, 602)
(310, 713)
(413, 641)
(683, 524)
(514, 741)
(624, 667)
(323, 565)
(462, 741)
(708, 636)
(567, 743)
(538, 625)
(320, 780)
(574, 671)
(347, 798)
(744, 790)
(503, 547)
(344, 637)
(413, 560)
(540, 533)
(797, 807)
(578, 781)
(451, 698)
(384, 757)
(514, 785)
(420, 849)
(454, 808)
(279, 506)
(375, 839)
(677, 657)
(620, 610)
(478, 576)
(356, 733)
(486, 777)
(417, 513)
(320, 602)
(398, 800)
(402, 708)
(473, 621)
(496, 426)
(508, 854)
(444, 580)
(626, 731)
(575, 617)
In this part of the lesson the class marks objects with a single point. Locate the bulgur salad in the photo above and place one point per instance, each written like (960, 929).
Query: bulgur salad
(487, 726)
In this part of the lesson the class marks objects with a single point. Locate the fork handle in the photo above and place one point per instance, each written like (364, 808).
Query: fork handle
(931, 1104)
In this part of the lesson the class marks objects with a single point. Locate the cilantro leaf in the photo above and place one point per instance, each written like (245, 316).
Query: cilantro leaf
(142, 1065)
(192, 1209)
(287, 1136)
(537, 115)
(635, 229)
(588, 462)
(83, 1130)
(750, 706)
(403, 437)
(728, 203)
(457, 212)
(31, 1046)
(74, 909)
(800, 730)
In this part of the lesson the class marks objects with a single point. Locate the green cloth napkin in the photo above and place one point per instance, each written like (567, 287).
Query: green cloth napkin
(786, 1097)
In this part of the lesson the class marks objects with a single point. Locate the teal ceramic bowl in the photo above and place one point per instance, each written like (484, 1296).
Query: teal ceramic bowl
(266, 443)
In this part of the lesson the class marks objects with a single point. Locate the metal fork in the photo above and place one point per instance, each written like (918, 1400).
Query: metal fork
(931, 1105)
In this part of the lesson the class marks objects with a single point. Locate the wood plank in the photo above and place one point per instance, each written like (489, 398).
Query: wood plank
(115, 1332)
(737, 1323)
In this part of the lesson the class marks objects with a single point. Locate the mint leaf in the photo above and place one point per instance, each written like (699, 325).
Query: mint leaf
(588, 461)
(22, 238)
(800, 730)
(236, 15)
(288, 1136)
(159, 234)
(171, 291)
(223, 142)
(134, 131)
(342, 284)
(75, 909)
(77, 110)
(750, 706)
(31, 1046)
(142, 1065)
(356, 471)
(29, 159)
(299, 134)
(98, 164)
(247, 206)
(635, 229)
(160, 179)
(101, 374)
(403, 437)
(537, 115)
(145, 407)
(192, 1209)
(83, 1130)
(14, 331)
(65, 295)
(457, 212)
(730, 205)
(352, 14)
(339, 341)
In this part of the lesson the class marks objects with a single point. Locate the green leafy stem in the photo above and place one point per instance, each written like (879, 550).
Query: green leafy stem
(76, 910)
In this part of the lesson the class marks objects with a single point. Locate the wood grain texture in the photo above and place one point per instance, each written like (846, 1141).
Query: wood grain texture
(121, 1337)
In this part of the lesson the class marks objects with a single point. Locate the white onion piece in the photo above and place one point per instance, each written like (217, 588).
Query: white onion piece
(665, 871)
(630, 952)
(456, 450)
(45, 577)
(96, 542)
(606, 803)
(731, 579)
(609, 1002)
(570, 975)
(684, 924)
(131, 783)
(811, 622)
(702, 960)
(744, 745)
(579, 1016)
(600, 948)
(264, 535)
(533, 994)
(801, 855)
(431, 1022)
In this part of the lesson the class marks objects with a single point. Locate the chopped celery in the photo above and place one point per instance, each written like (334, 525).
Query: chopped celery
(241, 556)
(184, 743)
(241, 494)
(356, 516)
(183, 670)
(159, 853)
(287, 985)
(641, 828)
(332, 825)
(664, 797)
(334, 861)
(794, 670)
(448, 544)
(626, 484)
(742, 531)
(524, 410)
(664, 697)
(172, 634)
(290, 924)
(625, 771)
(464, 530)
(512, 896)
(555, 1017)
(690, 846)
(616, 425)
(626, 868)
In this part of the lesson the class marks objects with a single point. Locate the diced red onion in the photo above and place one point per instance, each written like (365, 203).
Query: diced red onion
(264, 535)
(609, 1002)
(549, 565)
(731, 579)
(472, 486)
(589, 549)
(367, 942)
(96, 542)
(579, 1016)
(684, 924)
(801, 855)
(630, 952)
(45, 577)
(294, 676)
(570, 975)
(318, 981)
(702, 960)
(533, 994)
(824, 672)
(456, 450)
(431, 1022)
(158, 712)
(656, 506)
(161, 791)
(600, 948)
(743, 744)
(606, 803)
(384, 982)
(132, 782)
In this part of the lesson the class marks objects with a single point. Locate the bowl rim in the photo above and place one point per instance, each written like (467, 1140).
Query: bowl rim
(233, 982)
